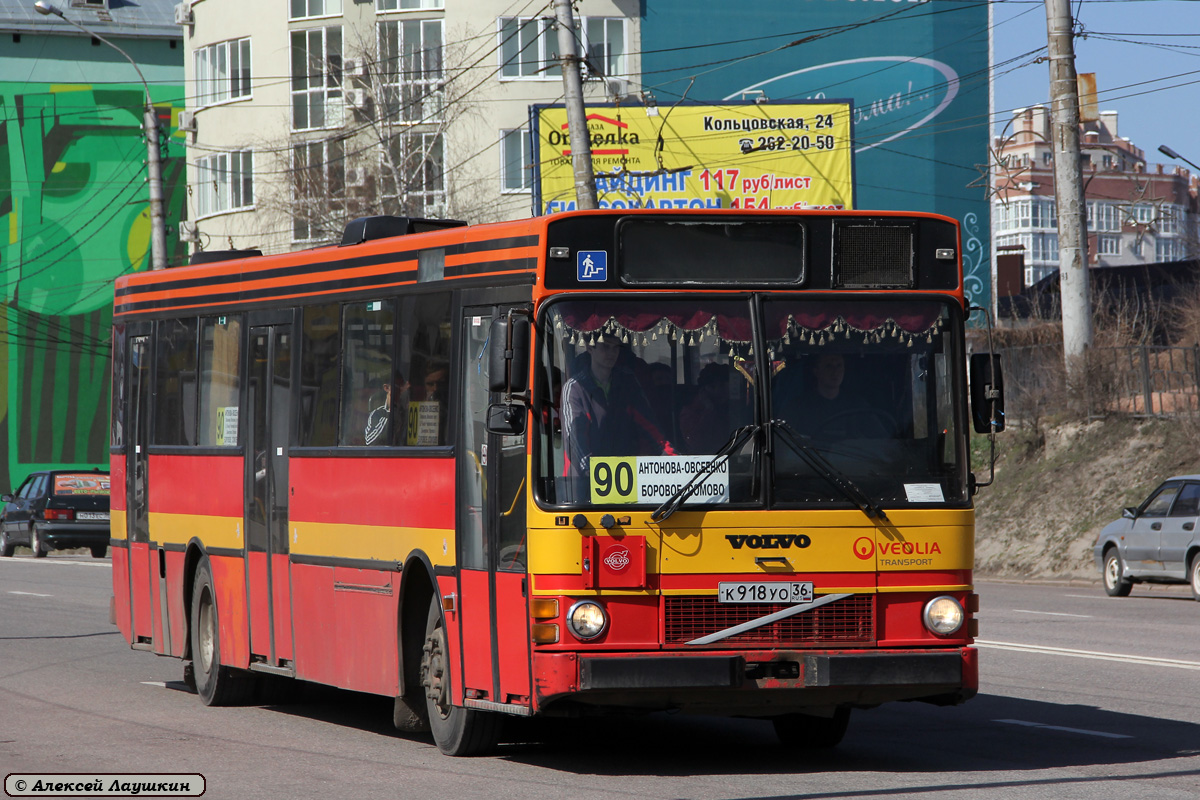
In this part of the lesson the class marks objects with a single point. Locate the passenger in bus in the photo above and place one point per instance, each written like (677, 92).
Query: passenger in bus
(823, 410)
(704, 422)
(393, 394)
(427, 416)
(605, 412)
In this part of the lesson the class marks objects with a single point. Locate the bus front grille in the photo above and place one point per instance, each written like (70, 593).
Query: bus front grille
(850, 621)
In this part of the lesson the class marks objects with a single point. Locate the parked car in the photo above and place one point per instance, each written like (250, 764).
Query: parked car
(57, 509)
(1156, 542)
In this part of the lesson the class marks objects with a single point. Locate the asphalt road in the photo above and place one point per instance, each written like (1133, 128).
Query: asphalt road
(1082, 696)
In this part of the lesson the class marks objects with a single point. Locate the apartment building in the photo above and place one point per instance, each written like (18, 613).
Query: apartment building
(1137, 212)
(307, 113)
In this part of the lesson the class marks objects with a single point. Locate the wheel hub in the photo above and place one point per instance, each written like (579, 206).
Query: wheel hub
(433, 672)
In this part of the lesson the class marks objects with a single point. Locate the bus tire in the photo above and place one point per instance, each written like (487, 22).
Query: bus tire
(457, 731)
(217, 685)
(808, 732)
(1114, 584)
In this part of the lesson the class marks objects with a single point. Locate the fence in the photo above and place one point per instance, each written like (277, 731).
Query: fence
(1141, 381)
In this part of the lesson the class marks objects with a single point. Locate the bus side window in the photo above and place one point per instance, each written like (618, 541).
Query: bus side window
(425, 358)
(320, 344)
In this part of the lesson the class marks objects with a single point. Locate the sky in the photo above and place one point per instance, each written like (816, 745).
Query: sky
(1145, 54)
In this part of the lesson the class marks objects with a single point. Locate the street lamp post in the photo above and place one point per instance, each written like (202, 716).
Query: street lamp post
(1169, 153)
(158, 231)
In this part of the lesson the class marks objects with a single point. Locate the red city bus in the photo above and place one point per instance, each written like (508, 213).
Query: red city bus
(600, 461)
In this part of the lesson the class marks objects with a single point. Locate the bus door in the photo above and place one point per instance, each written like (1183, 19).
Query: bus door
(268, 574)
(142, 583)
(492, 555)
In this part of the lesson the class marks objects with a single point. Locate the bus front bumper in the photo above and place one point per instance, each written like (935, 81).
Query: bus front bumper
(756, 683)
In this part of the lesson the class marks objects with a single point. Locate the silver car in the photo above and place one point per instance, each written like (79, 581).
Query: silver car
(1156, 542)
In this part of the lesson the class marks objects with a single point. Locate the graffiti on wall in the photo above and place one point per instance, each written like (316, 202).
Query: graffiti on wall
(74, 214)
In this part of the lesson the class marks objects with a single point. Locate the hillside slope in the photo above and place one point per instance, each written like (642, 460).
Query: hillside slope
(1049, 501)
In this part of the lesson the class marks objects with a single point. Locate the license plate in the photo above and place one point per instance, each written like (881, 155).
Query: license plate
(765, 592)
(91, 515)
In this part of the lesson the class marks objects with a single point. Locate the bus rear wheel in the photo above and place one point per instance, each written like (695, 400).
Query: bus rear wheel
(217, 685)
(457, 731)
(807, 731)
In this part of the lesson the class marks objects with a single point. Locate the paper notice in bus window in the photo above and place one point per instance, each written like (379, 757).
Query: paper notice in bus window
(655, 479)
(423, 422)
(924, 492)
(227, 426)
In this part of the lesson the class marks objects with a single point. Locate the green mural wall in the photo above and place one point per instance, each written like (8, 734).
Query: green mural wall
(74, 214)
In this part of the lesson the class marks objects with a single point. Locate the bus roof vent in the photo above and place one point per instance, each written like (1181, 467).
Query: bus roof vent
(873, 256)
(210, 256)
(366, 229)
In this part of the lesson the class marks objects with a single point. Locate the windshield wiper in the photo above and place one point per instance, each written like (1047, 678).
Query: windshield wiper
(672, 503)
(820, 465)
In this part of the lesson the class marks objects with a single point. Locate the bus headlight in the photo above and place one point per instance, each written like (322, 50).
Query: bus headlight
(944, 615)
(587, 619)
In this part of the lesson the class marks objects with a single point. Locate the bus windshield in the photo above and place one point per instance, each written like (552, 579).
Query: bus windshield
(637, 397)
(865, 389)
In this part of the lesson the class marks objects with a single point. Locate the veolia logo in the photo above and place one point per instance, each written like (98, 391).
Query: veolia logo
(864, 548)
(892, 95)
(617, 558)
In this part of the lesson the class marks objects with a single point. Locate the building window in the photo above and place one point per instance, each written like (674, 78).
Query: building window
(605, 42)
(224, 182)
(318, 190)
(1103, 217)
(405, 5)
(1143, 213)
(1168, 219)
(1108, 245)
(307, 9)
(529, 46)
(418, 161)
(317, 78)
(1168, 249)
(411, 64)
(516, 159)
(222, 72)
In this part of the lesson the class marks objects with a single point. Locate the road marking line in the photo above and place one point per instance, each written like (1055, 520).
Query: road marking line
(178, 686)
(1052, 613)
(32, 594)
(1043, 726)
(43, 562)
(1063, 651)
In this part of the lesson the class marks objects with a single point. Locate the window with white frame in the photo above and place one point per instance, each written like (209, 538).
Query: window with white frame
(1166, 249)
(516, 160)
(318, 190)
(419, 168)
(529, 46)
(1168, 219)
(412, 71)
(604, 40)
(1144, 213)
(222, 72)
(307, 9)
(405, 5)
(1108, 245)
(317, 78)
(1103, 216)
(224, 182)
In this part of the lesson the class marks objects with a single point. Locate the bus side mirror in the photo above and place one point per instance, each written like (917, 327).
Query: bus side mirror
(987, 393)
(506, 419)
(508, 354)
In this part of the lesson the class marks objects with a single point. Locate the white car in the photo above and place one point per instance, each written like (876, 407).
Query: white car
(1156, 542)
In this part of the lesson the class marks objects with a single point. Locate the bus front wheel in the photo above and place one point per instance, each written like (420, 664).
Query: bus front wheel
(457, 731)
(807, 731)
(217, 685)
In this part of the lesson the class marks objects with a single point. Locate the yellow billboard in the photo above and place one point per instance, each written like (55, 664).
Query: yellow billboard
(748, 156)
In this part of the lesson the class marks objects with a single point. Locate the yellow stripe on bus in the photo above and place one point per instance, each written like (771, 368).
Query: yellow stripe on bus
(379, 542)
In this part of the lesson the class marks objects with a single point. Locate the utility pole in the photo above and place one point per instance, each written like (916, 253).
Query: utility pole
(1068, 190)
(581, 142)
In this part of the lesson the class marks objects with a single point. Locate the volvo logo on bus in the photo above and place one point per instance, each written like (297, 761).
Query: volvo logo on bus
(772, 541)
